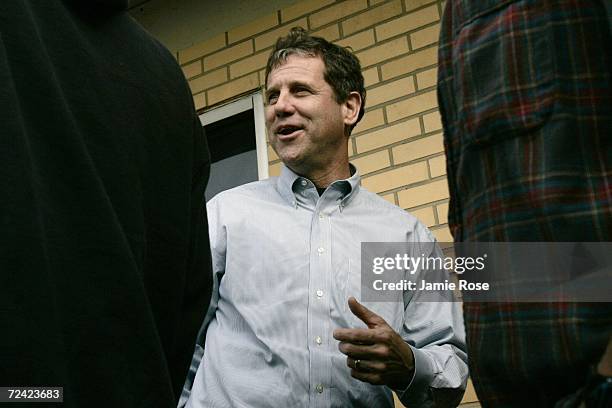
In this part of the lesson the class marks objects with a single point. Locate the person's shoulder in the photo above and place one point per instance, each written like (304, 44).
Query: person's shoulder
(374, 202)
(151, 47)
(371, 199)
(249, 191)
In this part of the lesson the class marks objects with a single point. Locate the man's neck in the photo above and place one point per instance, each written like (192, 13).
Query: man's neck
(323, 178)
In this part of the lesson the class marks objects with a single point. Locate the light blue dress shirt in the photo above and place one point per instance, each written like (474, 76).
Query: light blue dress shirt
(285, 262)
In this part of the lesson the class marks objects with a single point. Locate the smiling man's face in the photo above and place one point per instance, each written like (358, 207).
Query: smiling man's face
(306, 125)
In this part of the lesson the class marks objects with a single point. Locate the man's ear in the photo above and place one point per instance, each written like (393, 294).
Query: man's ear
(351, 107)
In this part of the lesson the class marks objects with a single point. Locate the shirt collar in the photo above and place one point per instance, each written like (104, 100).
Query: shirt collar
(289, 184)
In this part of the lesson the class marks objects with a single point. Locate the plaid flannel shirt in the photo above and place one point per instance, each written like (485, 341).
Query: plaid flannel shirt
(525, 96)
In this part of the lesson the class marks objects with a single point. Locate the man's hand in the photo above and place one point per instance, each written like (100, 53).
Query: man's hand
(377, 355)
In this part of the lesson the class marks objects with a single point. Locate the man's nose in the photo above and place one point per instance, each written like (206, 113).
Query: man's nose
(284, 105)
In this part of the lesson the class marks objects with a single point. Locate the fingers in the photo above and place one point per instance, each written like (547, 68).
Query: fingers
(357, 336)
(367, 371)
(364, 336)
(366, 366)
(366, 352)
(364, 314)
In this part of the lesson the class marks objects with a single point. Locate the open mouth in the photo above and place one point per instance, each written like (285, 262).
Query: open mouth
(287, 130)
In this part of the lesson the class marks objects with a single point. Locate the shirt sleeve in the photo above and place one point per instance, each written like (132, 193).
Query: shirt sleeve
(218, 247)
(434, 330)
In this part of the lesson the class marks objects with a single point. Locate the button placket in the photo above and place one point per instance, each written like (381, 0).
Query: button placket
(320, 279)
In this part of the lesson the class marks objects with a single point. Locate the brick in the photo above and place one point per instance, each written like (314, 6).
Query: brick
(252, 28)
(388, 135)
(272, 156)
(370, 119)
(419, 148)
(409, 63)
(330, 33)
(358, 41)
(199, 100)
(336, 12)
(390, 198)
(202, 48)
(193, 69)
(228, 55)
(268, 39)
(424, 37)
(233, 88)
(349, 149)
(415, 4)
(426, 193)
(442, 211)
(262, 76)
(302, 8)
(249, 64)
(427, 79)
(372, 162)
(442, 234)
(407, 23)
(470, 393)
(371, 17)
(208, 80)
(425, 215)
(437, 166)
(383, 52)
(370, 76)
(395, 178)
(432, 121)
(397, 402)
(274, 169)
(412, 106)
(390, 91)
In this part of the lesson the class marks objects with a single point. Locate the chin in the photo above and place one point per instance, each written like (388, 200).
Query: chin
(290, 161)
(290, 157)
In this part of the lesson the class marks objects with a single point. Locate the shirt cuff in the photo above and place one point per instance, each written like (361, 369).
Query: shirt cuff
(418, 389)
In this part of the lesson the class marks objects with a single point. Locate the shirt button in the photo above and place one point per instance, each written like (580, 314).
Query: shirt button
(321, 216)
(319, 388)
(321, 250)
(318, 340)
(319, 293)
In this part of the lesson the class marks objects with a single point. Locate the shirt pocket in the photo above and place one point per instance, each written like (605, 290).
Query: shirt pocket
(348, 283)
(504, 79)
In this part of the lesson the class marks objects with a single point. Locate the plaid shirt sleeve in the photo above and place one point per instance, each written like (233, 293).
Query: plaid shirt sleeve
(525, 92)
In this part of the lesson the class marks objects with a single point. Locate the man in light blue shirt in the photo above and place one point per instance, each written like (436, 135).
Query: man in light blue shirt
(283, 328)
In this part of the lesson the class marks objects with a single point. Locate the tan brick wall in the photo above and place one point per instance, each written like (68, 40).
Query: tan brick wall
(398, 145)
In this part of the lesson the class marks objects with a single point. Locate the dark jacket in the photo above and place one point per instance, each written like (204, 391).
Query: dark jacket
(104, 254)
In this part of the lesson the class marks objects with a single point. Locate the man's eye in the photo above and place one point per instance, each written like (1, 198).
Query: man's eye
(272, 99)
(302, 91)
